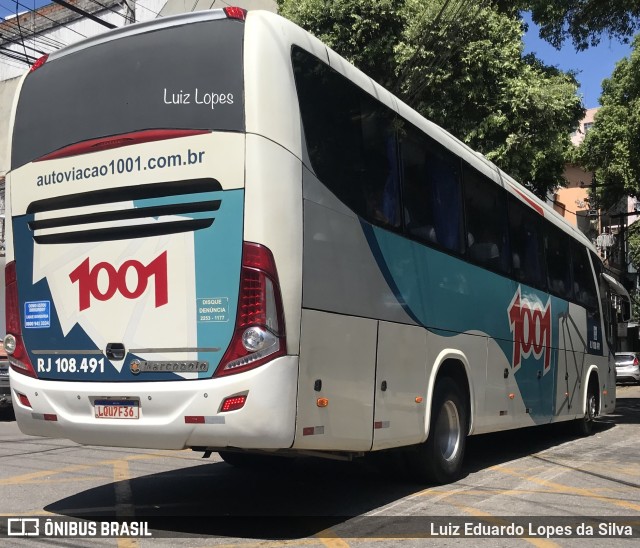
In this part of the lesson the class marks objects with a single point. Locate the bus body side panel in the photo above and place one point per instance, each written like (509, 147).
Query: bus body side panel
(401, 379)
(337, 364)
(273, 217)
(531, 376)
(573, 362)
(270, 92)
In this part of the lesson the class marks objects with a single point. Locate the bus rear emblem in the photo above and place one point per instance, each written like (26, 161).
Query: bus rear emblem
(530, 325)
(87, 278)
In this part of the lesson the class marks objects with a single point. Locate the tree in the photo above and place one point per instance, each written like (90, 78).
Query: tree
(461, 65)
(584, 21)
(611, 149)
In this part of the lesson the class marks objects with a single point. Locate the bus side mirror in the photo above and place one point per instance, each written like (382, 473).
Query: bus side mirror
(625, 310)
(622, 308)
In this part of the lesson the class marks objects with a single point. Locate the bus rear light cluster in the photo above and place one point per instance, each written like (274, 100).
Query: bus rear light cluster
(13, 343)
(24, 400)
(233, 403)
(234, 12)
(259, 334)
(39, 62)
(122, 140)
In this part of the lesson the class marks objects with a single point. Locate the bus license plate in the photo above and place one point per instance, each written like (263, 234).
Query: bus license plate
(117, 409)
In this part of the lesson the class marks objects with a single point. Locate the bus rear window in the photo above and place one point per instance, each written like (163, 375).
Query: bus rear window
(164, 79)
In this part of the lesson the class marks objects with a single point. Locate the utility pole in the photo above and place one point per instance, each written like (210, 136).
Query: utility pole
(129, 11)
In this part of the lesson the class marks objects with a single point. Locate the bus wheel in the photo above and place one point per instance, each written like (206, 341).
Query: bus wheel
(584, 426)
(439, 459)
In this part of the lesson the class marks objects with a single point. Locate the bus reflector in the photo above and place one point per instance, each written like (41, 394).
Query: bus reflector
(19, 359)
(24, 400)
(233, 403)
(117, 141)
(50, 417)
(322, 402)
(194, 419)
(259, 334)
(234, 12)
(39, 62)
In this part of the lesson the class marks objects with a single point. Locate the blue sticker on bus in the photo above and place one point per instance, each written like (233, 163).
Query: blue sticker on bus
(37, 314)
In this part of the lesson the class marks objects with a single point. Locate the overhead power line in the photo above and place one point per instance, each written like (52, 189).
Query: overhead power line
(86, 14)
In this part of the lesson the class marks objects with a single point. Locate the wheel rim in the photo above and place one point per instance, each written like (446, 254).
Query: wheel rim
(591, 407)
(448, 431)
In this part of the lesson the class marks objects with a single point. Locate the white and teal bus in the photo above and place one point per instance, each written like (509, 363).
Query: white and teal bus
(225, 237)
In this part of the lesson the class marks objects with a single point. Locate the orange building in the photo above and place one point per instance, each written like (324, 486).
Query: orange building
(572, 201)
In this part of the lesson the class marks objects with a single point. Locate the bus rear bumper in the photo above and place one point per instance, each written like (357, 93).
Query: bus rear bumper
(172, 415)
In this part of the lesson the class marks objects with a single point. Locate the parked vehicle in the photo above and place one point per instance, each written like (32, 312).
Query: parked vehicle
(627, 367)
(5, 391)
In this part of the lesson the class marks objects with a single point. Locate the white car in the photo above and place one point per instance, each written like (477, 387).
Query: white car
(627, 367)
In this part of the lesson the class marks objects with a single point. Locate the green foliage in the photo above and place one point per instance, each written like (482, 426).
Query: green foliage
(633, 243)
(611, 149)
(584, 21)
(461, 65)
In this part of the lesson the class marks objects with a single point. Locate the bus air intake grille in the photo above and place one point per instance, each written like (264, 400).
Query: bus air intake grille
(108, 214)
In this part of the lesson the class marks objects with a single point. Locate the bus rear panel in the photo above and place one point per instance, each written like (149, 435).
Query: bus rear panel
(133, 301)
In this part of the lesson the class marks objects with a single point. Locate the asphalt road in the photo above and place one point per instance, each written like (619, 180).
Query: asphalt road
(546, 480)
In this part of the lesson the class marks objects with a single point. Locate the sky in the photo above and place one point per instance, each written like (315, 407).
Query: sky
(592, 65)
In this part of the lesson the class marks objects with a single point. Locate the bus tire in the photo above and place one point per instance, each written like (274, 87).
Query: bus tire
(439, 459)
(584, 425)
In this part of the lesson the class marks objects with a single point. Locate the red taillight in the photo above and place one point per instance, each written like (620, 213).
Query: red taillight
(259, 334)
(117, 141)
(24, 400)
(41, 61)
(233, 403)
(233, 12)
(19, 359)
(635, 361)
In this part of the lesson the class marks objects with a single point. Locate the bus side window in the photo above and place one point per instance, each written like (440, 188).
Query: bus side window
(527, 245)
(485, 208)
(431, 191)
(350, 139)
(380, 181)
(583, 283)
(558, 262)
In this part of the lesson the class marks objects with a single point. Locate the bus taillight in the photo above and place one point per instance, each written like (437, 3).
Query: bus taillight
(259, 334)
(233, 12)
(117, 141)
(39, 62)
(13, 343)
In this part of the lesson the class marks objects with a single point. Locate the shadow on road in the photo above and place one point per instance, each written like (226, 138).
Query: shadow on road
(6, 414)
(299, 498)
